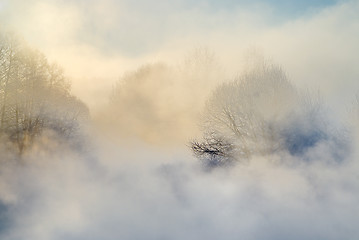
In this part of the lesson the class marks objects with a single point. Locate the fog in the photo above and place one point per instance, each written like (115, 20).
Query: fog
(111, 158)
(143, 193)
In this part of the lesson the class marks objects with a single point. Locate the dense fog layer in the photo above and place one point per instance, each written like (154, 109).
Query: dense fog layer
(123, 183)
(155, 141)
(144, 193)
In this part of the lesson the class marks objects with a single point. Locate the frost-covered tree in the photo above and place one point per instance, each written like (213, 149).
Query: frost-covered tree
(260, 113)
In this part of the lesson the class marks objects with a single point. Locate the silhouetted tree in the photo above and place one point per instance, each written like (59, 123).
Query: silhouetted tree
(213, 151)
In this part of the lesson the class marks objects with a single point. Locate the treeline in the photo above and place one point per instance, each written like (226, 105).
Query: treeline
(260, 113)
(34, 97)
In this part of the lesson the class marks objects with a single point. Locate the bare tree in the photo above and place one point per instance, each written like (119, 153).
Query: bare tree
(260, 113)
(34, 95)
(213, 151)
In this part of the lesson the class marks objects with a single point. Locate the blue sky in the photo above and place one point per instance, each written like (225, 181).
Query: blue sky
(288, 8)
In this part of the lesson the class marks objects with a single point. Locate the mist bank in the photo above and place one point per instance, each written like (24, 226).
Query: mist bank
(142, 192)
(133, 175)
(142, 188)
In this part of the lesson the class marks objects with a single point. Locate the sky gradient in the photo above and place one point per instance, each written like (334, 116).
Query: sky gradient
(313, 40)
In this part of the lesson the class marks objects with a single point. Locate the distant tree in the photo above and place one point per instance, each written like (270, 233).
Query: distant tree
(160, 103)
(200, 71)
(34, 95)
(143, 101)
